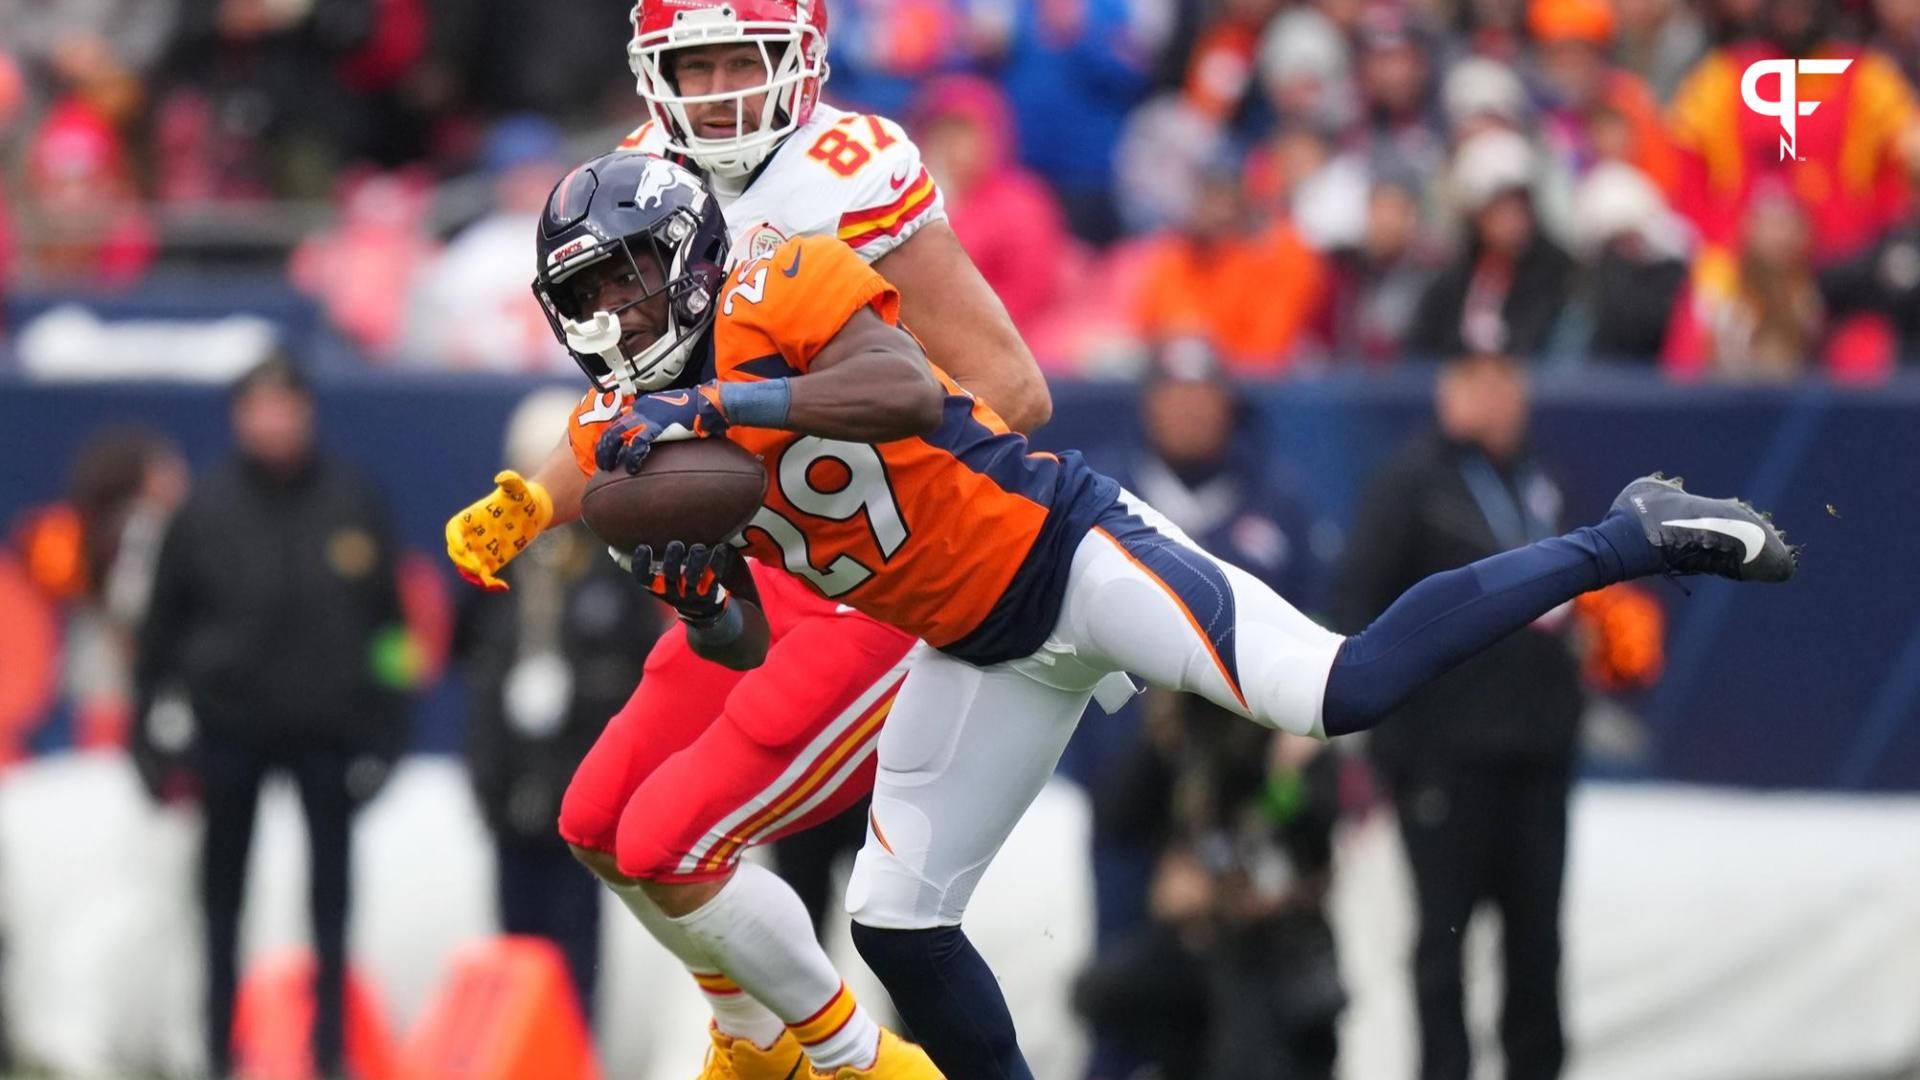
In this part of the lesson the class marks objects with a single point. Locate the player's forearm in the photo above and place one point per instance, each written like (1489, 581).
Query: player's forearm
(981, 350)
(965, 327)
(738, 642)
(870, 397)
(1025, 404)
(560, 474)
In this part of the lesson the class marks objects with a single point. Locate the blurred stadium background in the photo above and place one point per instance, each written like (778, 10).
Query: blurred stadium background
(192, 186)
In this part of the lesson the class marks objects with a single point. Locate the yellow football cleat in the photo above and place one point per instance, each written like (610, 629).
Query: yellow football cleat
(739, 1059)
(898, 1059)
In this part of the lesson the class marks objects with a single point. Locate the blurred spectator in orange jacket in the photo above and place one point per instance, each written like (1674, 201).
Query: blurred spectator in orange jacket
(1848, 178)
(1756, 314)
(1249, 289)
(79, 199)
(1006, 217)
(1588, 97)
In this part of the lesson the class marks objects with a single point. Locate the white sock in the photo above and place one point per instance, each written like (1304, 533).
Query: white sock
(758, 932)
(735, 1012)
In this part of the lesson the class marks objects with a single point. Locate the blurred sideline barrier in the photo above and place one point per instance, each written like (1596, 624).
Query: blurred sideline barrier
(273, 1021)
(103, 971)
(1815, 685)
(1712, 935)
(505, 1011)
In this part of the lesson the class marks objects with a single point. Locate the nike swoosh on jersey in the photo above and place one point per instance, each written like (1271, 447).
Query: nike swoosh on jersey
(680, 398)
(897, 180)
(794, 270)
(1751, 536)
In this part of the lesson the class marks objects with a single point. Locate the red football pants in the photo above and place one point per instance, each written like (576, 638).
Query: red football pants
(703, 761)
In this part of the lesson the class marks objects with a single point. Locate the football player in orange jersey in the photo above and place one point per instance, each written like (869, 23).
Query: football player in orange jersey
(704, 762)
(1029, 576)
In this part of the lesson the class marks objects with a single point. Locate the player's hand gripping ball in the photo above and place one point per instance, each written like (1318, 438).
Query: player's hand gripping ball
(687, 578)
(486, 536)
(665, 416)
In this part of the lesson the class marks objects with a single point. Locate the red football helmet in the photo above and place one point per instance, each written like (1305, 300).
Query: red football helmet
(792, 36)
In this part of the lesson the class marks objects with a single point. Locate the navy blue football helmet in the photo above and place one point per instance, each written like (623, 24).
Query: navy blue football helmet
(660, 220)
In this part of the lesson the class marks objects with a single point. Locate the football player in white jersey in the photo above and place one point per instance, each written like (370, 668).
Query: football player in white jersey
(733, 88)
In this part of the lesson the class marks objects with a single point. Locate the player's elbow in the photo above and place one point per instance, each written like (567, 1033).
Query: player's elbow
(1017, 390)
(908, 401)
(1031, 406)
(923, 408)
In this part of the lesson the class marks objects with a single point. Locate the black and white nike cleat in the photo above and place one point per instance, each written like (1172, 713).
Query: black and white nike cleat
(1697, 535)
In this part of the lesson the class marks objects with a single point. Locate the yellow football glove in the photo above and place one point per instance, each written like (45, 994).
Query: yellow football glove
(487, 535)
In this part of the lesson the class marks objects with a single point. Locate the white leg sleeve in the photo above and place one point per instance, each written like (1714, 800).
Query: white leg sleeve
(760, 935)
(963, 754)
(735, 1012)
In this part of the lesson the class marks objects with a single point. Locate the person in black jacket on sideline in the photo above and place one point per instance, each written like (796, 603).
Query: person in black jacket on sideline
(274, 642)
(1480, 762)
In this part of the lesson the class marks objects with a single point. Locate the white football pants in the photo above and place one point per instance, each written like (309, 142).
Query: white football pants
(966, 749)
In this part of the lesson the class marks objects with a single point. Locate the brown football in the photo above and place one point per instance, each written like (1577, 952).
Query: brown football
(698, 491)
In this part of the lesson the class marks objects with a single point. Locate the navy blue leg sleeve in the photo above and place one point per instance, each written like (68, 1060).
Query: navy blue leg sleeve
(949, 999)
(1448, 617)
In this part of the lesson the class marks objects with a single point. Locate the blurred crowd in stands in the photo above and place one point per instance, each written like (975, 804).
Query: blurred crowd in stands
(1309, 184)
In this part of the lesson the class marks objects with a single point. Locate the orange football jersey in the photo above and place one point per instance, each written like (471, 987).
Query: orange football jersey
(961, 537)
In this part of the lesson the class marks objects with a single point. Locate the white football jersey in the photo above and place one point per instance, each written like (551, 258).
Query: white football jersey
(852, 175)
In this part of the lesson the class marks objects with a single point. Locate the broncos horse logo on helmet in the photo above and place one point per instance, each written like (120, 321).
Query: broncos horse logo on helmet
(658, 218)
